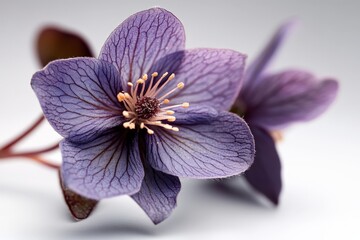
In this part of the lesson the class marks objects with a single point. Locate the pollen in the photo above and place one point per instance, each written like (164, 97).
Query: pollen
(145, 108)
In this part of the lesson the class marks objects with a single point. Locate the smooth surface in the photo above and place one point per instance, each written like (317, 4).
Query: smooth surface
(320, 159)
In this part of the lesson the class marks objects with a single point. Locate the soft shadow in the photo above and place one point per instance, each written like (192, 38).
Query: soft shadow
(109, 229)
(25, 193)
(235, 189)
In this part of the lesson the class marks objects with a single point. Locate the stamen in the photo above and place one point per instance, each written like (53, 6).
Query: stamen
(121, 97)
(150, 92)
(171, 77)
(143, 108)
(179, 86)
(126, 114)
(171, 119)
(185, 105)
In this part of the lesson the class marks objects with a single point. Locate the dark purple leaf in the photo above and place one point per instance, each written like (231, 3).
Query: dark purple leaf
(55, 43)
(265, 173)
(80, 207)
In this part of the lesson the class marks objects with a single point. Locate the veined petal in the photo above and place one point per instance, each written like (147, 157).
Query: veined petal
(212, 77)
(216, 146)
(142, 39)
(265, 174)
(290, 96)
(78, 97)
(110, 165)
(259, 65)
(158, 193)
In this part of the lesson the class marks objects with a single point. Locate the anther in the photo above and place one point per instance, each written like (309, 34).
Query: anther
(180, 85)
(175, 129)
(126, 114)
(166, 101)
(170, 112)
(171, 77)
(167, 126)
(121, 97)
(130, 84)
(185, 105)
(154, 74)
(171, 119)
(140, 81)
(144, 77)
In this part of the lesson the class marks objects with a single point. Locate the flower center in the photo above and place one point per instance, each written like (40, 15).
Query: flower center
(146, 108)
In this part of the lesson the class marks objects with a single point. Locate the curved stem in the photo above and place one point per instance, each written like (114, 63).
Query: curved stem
(43, 161)
(24, 134)
(31, 153)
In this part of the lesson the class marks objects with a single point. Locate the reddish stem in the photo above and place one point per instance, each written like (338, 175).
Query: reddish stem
(7, 154)
(24, 134)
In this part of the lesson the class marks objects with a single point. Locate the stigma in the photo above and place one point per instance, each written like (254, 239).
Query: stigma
(144, 108)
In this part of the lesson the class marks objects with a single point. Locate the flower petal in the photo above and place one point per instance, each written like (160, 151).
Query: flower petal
(216, 146)
(257, 68)
(211, 76)
(157, 196)
(142, 39)
(78, 97)
(290, 96)
(265, 174)
(80, 207)
(55, 43)
(108, 166)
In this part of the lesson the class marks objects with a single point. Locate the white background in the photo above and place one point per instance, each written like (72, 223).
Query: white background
(320, 199)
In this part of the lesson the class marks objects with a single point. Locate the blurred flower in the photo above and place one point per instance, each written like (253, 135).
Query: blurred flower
(122, 135)
(271, 101)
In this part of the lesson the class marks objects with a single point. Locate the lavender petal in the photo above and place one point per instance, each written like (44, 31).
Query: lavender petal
(158, 193)
(218, 145)
(211, 76)
(108, 166)
(78, 97)
(142, 39)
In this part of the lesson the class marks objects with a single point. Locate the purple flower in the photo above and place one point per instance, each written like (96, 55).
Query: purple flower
(272, 101)
(126, 120)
